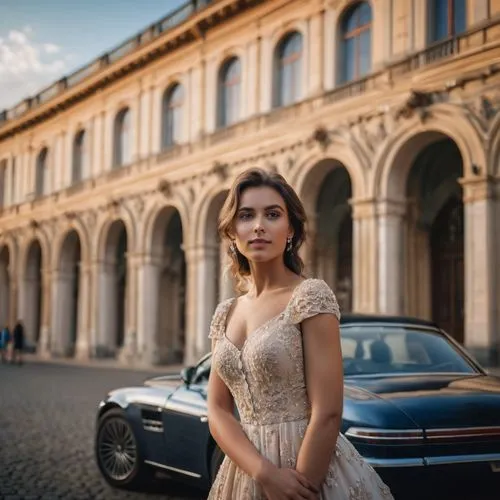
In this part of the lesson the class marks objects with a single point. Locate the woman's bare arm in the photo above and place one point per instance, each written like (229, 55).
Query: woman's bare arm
(325, 388)
(227, 431)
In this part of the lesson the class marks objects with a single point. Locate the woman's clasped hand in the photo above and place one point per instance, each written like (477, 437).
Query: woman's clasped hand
(286, 484)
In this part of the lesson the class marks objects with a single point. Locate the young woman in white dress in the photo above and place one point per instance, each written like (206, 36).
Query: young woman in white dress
(277, 357)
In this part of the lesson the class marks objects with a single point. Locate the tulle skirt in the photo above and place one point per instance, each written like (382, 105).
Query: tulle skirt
(349, 476)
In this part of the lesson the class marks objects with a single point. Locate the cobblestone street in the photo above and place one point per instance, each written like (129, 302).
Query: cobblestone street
(47, 414)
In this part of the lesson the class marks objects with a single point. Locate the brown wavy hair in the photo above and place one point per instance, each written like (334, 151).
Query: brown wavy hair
(256, 177)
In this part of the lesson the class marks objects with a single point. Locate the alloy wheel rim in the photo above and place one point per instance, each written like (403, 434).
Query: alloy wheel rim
(117, 449)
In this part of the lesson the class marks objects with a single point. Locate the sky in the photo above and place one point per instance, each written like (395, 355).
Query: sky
(43, 40)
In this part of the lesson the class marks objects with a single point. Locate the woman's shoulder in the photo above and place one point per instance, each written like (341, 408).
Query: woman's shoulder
(313, 296)
(219, 317)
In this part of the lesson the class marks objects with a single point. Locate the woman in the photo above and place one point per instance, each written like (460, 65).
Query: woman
(276, 354)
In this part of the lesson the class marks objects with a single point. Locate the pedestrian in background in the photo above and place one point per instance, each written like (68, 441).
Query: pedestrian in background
(4, 343)
(18, 347)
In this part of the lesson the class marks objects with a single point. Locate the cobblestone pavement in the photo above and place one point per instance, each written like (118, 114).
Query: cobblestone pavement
(47, 414)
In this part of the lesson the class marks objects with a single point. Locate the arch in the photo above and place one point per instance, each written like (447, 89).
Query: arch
(339, 152)
(166, 280)
(35, 260)
(204, 210)
(355, 44)
(122, 137)
(59, 240)
(79, 156)
(41, 171)
(288, 66)
(229, 91)
(494, 148)
(172, 106)
(160, 223)
(67, 286)
(40, 236)
(103, 232)
(150, 218)
(393, 162)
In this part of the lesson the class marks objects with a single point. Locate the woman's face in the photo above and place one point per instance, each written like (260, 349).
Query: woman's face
(261, 225)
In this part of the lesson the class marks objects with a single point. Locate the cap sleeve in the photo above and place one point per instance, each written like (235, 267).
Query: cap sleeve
(314, 297)
(219, 319)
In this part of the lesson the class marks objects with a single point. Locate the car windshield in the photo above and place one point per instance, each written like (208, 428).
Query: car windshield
(378, 349)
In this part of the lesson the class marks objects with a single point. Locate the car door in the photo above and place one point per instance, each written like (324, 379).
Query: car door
(186, 429)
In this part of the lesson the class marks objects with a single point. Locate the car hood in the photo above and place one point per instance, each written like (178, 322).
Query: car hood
(436, 400)
(170, 381)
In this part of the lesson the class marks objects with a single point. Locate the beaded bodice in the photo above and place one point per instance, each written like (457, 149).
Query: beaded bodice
(266, 376)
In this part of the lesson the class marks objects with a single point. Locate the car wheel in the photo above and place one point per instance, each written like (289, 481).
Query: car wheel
(215, 462)
(116, 450)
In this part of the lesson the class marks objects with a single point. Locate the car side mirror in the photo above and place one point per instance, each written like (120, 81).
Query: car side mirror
(187, 374)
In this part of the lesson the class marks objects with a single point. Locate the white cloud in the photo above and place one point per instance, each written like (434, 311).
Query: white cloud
(51, 48)
(26, 67)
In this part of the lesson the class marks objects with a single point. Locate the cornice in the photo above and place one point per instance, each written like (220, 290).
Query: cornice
(104, 71)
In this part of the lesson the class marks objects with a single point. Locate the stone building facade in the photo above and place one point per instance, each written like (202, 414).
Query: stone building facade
(383, 115)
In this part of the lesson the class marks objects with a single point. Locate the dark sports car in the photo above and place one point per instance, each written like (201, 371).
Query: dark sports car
(416, 406)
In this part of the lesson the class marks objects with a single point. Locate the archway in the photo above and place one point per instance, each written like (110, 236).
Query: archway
(113, 285)
(31, 293)
(167, 285)
(333, 235)
(5, 288)
(435, 237)
(66, 307)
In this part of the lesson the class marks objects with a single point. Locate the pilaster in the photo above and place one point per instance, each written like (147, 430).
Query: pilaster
(482, 276)
(390, 256)
(201, 276)
(365, 275)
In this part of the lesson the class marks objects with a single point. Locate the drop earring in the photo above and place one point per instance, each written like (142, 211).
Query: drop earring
(289, 244)
(232, 248)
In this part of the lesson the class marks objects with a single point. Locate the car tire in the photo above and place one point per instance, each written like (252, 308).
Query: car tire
(117, 452)
(215, 463)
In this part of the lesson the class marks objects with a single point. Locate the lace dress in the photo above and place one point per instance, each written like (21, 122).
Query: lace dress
(266, 379)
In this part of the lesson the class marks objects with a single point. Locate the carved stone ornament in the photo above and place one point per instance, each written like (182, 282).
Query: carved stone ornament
(33, 224)
(320, 136)
(113, 206)
(70, 216)
(138, 205)
(90, 219)
(417, 102)
(220, 170)
(165, 188)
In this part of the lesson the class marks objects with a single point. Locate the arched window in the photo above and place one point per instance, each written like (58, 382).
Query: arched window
(122, 138)
(446, 18)
(288, 66)
(173, 101)
(41, 172)
(356, 46)
(79, 157)
(229, 92)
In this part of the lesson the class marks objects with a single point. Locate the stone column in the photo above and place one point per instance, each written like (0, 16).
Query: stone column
(149, 273)
(482, 276)
(105, 345)
(129, 351)
(364, 214)
(83, 340)
(13, 297)
(46, 320)
(199, 308)
(390, 256)
(62, 291)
